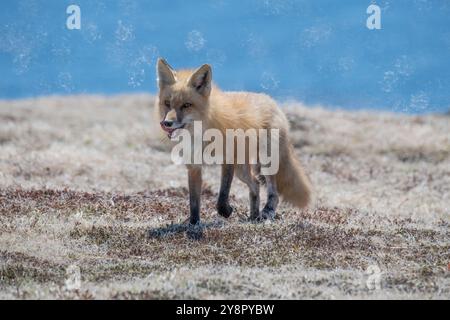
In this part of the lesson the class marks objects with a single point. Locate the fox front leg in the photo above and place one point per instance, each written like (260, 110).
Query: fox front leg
(223, 206)
(195, 190)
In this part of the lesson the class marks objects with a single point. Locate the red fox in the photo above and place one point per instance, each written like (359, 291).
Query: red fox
(186, 96)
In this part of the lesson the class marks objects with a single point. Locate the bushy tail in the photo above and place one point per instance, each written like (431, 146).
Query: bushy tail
(292, 183)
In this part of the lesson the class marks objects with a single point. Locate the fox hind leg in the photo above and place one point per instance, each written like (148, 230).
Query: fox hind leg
(269, 210)
(223, 206)
(244, 173)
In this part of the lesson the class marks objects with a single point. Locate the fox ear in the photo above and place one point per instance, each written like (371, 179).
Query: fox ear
(201, 80)
(165, 73)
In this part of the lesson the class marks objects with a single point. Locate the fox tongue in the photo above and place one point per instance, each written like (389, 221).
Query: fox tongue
(170, 131)
(173, 133)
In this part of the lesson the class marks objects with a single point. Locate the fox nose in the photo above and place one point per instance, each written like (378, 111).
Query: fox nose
(167, 123)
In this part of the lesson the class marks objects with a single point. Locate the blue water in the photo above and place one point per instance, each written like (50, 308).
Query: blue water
(318, 52)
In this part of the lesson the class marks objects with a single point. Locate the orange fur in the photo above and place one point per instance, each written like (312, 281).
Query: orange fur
(233, 110)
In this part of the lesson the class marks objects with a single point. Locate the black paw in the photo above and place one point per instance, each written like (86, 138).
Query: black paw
(225, 210)
(268, 214)
(255, 217)
(194, 231)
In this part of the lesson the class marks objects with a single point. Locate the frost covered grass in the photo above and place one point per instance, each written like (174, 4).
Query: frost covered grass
(84, 181)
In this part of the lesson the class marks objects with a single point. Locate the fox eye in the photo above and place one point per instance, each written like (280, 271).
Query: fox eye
(187, 105)
(167, 103)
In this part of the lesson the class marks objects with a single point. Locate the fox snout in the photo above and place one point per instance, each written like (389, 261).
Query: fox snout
(167, 123)
(170, 126)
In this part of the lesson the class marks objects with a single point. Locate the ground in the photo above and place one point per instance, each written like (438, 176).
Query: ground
(86, 185)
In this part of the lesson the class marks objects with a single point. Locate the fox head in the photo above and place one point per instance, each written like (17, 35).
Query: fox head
(183, 96)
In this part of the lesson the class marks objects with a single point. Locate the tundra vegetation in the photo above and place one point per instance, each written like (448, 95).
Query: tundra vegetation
(86, 185)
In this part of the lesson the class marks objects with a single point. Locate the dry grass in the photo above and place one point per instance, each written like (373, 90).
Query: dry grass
(84, 182)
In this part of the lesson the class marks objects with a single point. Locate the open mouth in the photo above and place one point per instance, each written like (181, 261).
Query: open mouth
(171, 131)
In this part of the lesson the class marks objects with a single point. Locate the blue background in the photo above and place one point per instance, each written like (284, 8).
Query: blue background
(318, 52)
